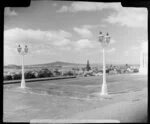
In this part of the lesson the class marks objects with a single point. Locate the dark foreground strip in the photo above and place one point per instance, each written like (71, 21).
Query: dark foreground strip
(37, 79)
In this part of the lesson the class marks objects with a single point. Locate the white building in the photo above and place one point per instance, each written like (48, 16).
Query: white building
(144, 58)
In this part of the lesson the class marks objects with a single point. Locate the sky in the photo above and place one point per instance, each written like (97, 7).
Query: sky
(68, 31)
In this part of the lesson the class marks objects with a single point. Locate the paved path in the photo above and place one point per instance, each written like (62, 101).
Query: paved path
(131, 111)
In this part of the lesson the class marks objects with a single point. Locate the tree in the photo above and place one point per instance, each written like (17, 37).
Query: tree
(45, 73)
(57, 72)
(83, 68)
(88, 66)
(135, 70)
(7, 77)
(107, 70)
(127, 66)
(29, 75)
(16, 76)
(68, 73)
(111, 66)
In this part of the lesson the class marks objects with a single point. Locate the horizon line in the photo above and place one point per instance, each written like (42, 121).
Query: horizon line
(74, 63)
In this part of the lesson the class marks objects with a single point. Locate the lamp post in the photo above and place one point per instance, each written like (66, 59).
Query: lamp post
(104, 40)
(22, 52)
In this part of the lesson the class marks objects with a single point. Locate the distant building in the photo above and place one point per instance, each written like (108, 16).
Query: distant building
(144, 59)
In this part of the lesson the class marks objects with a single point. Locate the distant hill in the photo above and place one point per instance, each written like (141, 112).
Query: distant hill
(12, 66)
(55, 64)
(52, 64)
(59, 63)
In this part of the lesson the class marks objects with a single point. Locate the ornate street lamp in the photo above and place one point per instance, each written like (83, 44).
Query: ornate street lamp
(22, 52)
(104, 40)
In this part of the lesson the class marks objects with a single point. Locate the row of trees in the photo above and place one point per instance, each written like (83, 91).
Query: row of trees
(37, 74)
(85, 71)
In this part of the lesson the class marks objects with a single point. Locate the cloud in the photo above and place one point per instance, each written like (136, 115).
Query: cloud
(134, 50)
(62, 43)
(87, 6)
(83, 32)
(43, 42)
(37, 40)
(82, 44)
(18, 35)
(10, 51)
(94, 26)
(9, 12)
(131, 17)
(54, 4)
(63, 9)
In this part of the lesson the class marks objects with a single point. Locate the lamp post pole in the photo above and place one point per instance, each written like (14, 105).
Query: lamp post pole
(104, 40)
(22, 52)
(23, 85)
(104, 85)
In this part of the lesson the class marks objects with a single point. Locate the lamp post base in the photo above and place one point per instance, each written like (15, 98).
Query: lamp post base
(104, 90)
(23, 85)
(104, 94)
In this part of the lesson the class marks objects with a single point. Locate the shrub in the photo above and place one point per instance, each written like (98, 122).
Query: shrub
(16, 76)
(88, 74)
(57, 73)
(107, 70)
(29, 75)
(126, 71)
(119, 71)
(35, 74)
(7, 77)
(68, 73)
(80, 73)
(122, 71)
(135, 70)
(40, 74)
(45, 73)
(112, 72)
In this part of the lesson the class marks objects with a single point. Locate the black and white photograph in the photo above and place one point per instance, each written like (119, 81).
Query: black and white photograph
(75, 62)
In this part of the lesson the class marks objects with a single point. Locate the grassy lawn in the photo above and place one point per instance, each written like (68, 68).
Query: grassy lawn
(55, 99)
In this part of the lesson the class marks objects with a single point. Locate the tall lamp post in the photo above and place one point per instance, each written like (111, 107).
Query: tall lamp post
(104, 40)
(22, 53)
